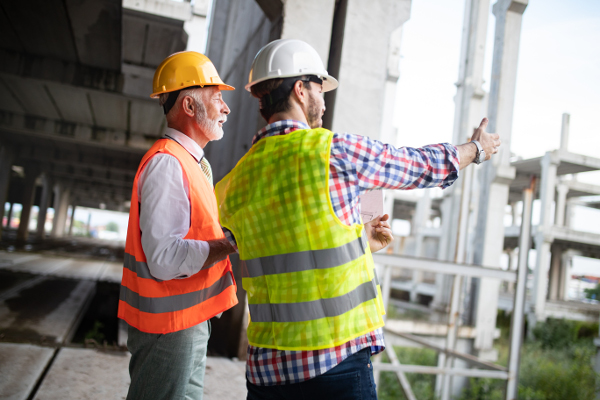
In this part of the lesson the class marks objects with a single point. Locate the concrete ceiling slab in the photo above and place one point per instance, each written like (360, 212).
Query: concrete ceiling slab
(43, 28)
(8, 35)
(147, 118)
(96, 26)
(86, 373)
(8, 101)
(21, 366)
(110, 110)
(72, 103)
(148, 39)
(34, 96)
(46, 312)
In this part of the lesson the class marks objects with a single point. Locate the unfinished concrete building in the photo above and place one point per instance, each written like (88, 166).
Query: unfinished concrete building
(75, 119)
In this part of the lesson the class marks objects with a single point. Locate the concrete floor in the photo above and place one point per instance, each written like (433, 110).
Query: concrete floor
(43, 298)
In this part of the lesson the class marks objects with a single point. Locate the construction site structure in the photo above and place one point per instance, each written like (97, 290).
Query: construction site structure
(76, 119)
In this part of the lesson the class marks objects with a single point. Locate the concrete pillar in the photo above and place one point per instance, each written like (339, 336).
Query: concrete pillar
(61, 205)
(561, 204)
(6, 160)
(32, 172)
(567, 265)
(497, 175)
(47, 185)
(514, 208)
(555, 281)
(443, 282)
(543, 240)
(72, 220)
(564, 132)
(361, 63)
(513, 263)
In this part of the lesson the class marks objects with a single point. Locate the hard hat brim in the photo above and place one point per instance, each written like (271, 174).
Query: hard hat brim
(329, 82)
(222, 86)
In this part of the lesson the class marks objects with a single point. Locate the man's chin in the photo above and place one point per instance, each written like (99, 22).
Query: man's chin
(218, 135)
(316, 124)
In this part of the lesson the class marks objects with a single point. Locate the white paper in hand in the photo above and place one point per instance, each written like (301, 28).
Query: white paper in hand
(371, 205)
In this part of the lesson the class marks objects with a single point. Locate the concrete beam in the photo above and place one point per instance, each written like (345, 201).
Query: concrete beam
(75, 132)
(56, 70)
(21, 366)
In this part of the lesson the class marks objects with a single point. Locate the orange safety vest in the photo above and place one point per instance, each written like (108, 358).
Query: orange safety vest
(156, 306)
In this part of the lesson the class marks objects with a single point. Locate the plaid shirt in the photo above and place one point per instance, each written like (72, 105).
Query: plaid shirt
(357, 165)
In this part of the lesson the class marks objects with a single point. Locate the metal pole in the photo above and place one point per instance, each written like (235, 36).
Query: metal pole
(385, 293)
(516, 328)
(459, 257)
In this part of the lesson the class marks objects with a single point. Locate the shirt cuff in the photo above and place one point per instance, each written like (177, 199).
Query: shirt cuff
(229, 236)
(194, 260)
(453, 165)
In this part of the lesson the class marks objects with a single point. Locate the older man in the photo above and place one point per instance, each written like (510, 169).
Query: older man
(176, 274)
(292, 205)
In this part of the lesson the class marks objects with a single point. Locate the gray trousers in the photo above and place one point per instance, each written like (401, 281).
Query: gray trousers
(168, 366)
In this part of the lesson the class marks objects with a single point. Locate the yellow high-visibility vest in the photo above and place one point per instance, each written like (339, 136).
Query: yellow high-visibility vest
(310, 278)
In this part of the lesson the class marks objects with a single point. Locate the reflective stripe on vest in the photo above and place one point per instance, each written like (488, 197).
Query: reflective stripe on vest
(310, 278)
(155, 306)
(310, 310)
(305, 260)
(140, 268)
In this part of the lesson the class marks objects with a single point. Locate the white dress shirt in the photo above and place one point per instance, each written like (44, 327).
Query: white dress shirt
(163, 193)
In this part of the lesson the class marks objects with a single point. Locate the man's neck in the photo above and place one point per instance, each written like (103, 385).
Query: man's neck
(190, 131)
(293, 113)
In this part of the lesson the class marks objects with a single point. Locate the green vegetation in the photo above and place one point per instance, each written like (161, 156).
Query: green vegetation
(423, 386)
(96, 332)
(112, 227)
(593, 293)
(556, 365)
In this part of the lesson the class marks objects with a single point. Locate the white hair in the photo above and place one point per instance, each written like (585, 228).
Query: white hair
(194, 94)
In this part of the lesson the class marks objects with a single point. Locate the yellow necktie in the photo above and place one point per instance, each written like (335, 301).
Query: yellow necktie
(205, 165)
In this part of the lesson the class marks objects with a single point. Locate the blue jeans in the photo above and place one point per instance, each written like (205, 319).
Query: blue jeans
(352, 379)
(168, 366)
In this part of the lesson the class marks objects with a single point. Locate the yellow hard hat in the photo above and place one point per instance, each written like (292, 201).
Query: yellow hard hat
(185, 69)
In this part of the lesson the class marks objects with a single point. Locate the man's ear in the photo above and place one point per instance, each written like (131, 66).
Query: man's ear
(300, 91)
(188, 106)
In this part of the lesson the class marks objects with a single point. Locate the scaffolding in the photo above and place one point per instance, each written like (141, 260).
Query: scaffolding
(449, 353)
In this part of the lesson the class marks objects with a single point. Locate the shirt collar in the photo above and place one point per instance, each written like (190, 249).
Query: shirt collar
(186, 142)
(277, 128)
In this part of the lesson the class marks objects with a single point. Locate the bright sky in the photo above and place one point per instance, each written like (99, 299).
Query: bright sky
(558, 72)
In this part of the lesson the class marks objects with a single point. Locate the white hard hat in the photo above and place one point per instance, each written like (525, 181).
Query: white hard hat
(287, 58)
